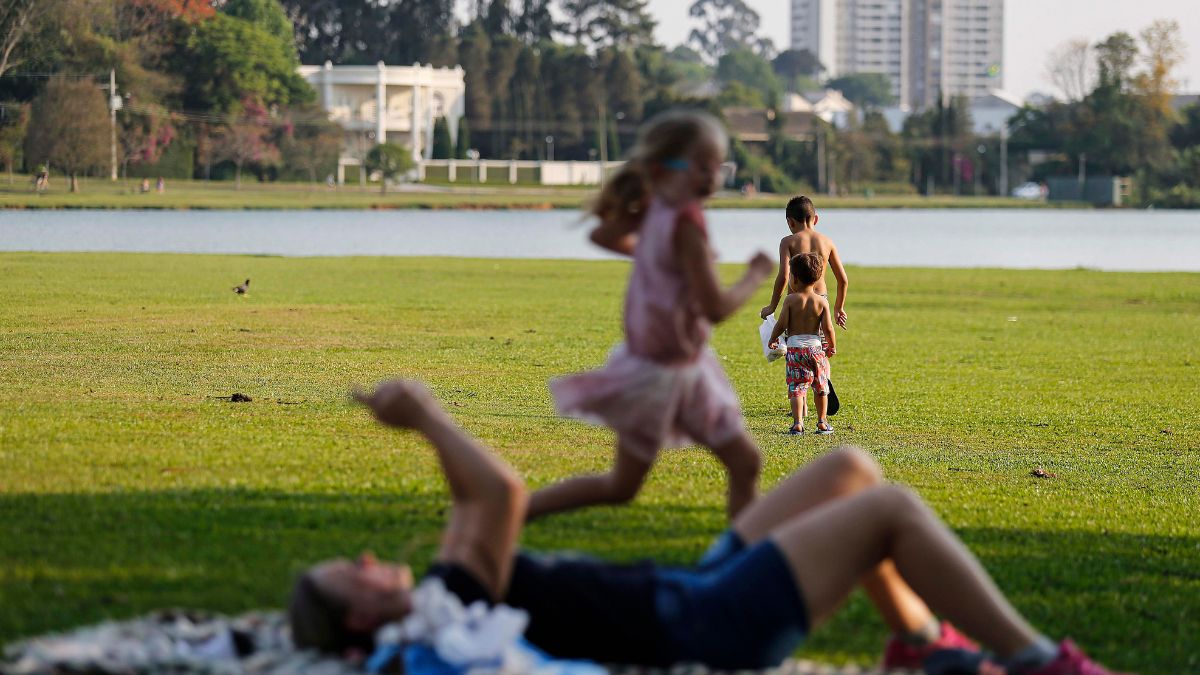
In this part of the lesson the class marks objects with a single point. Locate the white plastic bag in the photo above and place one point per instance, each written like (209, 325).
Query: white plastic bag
(764, 334)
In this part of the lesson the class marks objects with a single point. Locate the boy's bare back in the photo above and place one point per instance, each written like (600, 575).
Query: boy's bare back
(806, 241)
(805, 313)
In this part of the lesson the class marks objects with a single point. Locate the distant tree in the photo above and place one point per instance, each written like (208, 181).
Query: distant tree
(751, 70)
(20, 19)
(1069, 67)
(310, 143)
(1115, 58)
(246, 141)
(602, 23)
(464, 138)
(726, 25)
(866, 90)
(737, 94)
(144, 135)
(1163, 49)
(266, 14)
(13, 124)
(497, 18)
(795, 67)
(535, 23)
(442, 146)
(624, 82)
(391, 161)
(227, 59)
(68, 128)
(418, 31)
(473, 54)
(351, 32)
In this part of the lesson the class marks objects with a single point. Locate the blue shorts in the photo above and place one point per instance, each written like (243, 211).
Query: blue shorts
(742, 610)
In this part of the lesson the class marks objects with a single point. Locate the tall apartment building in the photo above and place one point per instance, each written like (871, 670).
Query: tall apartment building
(923, 46)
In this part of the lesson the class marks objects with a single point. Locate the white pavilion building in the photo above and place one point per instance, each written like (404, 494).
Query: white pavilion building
(375, 104)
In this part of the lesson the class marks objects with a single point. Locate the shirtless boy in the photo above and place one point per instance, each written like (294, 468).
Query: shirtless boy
(811, 342)
(802, 221)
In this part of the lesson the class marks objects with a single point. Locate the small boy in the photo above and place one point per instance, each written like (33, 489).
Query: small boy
(802, 220)
(804, 317)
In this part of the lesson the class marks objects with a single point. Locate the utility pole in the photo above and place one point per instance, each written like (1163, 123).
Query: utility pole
(820, 160)
(113, 102)
(603, 126)
(1004, 159)
(1082, 174)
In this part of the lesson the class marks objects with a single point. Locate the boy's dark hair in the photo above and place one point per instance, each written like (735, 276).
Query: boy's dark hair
(801, 209)
(318, 620)
(807, 268)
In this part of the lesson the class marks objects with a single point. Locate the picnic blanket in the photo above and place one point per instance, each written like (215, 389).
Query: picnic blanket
(203, 643)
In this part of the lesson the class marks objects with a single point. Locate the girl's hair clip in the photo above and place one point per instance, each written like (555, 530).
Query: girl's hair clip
(676, 164)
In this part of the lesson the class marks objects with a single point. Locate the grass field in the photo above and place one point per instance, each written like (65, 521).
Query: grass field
(128, 485)
(102, 194)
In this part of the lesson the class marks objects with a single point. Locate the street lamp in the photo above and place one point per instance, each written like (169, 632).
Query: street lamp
(549, 148)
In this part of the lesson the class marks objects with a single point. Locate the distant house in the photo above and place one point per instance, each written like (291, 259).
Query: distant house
(753, 125)
(1181, 101)
(381, 103)
(990, 114)
(828, 104)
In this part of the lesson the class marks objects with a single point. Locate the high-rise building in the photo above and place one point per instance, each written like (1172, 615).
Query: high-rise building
(924, 47)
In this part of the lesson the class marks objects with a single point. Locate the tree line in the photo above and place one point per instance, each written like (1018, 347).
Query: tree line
(210, 90)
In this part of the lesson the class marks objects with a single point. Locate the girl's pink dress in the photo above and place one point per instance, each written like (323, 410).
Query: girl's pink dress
(662, 387)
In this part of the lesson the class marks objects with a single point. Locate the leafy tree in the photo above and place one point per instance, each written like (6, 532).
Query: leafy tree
(726, 25)
(866, 90)
(602, 23)
(228, 59)
(1115, 57)
(310, 142)
(624, 85)
(497, 19)
(473, 54)
(20, 19)
(418, 31)
(535, 23)
(751, 70)
(13, 122)
(345, 32)
(144, 135)
(1070, 68)
(391, 161)
(443, 148)
(266, 14)
(736, 94)
(796, 67)
(68, 128)
(246, 141)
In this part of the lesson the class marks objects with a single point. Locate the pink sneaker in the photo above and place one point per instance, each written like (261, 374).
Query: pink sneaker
(1070, 661)
(901, 655)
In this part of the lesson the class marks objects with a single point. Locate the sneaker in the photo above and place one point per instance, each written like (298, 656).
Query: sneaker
(961, 662)
(1070, 661)
(899, 654)
(824, 429)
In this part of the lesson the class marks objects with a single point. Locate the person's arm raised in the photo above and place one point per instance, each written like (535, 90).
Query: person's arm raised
(489, 497)
(617, 235)
(694, 256)
(843, 282)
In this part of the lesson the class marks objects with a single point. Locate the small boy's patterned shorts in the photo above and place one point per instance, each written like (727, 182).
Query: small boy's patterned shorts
(807, 366)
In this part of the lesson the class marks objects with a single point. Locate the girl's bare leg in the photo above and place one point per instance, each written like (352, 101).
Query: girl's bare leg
(743, 463)
(829, 548)
(617, 486)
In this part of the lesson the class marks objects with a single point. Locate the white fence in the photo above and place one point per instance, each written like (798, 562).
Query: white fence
(515, 171)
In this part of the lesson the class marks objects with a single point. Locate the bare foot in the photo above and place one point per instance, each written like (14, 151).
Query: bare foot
(398, 403)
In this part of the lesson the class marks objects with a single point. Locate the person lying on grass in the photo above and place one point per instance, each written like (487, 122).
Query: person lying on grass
(787, 562)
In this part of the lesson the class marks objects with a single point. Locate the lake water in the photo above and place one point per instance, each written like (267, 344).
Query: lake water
(1107, 240)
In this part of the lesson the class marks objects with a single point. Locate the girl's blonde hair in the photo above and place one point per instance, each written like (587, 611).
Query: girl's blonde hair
(668, 135)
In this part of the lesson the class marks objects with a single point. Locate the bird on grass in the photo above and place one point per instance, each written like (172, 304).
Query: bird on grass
(242, 288)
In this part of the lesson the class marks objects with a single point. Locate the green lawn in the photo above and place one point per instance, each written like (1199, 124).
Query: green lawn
(99, 193)
(127, 485)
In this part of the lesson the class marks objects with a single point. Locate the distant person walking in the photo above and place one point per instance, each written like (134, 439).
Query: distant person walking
(160, 185)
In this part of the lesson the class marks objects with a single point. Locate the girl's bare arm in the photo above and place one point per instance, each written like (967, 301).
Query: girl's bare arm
(618, 236)
(694, 256)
